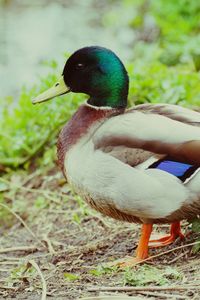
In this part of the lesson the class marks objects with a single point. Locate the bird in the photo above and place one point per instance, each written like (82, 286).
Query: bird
(138, 164)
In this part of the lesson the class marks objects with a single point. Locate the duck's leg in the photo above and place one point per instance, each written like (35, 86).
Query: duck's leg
(145, 243)
(142, 249)
(175, 232)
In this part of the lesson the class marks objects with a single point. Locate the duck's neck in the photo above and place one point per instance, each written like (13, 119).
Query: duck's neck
(115, 98)
(111, 89)
(86, 118)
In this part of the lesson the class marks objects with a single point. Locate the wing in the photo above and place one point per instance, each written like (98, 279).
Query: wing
(161, 129)
(171, 111)
(130, 156)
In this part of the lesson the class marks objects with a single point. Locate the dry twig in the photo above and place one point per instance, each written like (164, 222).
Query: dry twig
(9, 263)
(112, 297)
(20, 248)
(7, 287)
(49, 244)
(163, 295)
(177, 258)
(145, 288)
(166, 252)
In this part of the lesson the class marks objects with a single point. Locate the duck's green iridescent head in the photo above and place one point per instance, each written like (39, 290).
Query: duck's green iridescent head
(97, 72)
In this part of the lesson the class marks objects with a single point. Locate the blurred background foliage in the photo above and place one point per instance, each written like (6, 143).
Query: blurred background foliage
(159, 41)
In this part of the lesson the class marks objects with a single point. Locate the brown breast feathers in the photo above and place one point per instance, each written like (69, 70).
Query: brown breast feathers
(78, 125)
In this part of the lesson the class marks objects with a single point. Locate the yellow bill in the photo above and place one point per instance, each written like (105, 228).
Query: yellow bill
(59, 88)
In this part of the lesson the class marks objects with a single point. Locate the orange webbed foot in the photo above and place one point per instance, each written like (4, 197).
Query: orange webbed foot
(144, 244)
(175, 232)
(128, 262)
(142, 249)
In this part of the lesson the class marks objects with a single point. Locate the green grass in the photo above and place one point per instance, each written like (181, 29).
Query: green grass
(27, 128)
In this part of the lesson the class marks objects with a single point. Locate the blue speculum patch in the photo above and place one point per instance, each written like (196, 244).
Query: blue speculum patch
(173, 167)
(181, 170)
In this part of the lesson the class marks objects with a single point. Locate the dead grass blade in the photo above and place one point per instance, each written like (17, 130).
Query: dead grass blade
(44, 285)
(22, 222)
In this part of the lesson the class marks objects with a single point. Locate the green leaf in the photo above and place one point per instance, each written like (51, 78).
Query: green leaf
(196, 247)
(3, 187)
(195, 225)
(196, 60)
(148, 274)
(41, 202)
(71, 277)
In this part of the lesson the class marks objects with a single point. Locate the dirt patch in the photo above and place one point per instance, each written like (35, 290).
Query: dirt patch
(72, 244)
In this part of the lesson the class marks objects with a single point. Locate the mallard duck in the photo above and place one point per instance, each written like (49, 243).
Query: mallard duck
(140, 164)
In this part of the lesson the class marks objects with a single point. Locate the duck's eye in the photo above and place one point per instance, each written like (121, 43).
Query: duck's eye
(80, 66)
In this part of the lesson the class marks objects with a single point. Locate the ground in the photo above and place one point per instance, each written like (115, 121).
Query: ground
(50, 234)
